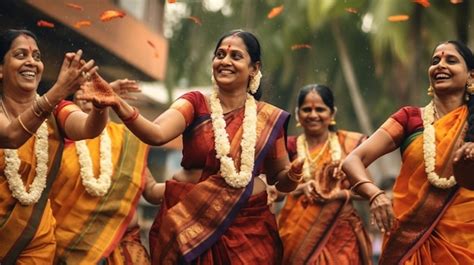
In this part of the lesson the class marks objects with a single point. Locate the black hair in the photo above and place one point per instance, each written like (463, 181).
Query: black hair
(253, 48)
(8, 36)
(468, 57)
(324, 92)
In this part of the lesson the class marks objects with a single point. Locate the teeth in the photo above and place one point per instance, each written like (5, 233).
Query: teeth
(29, 73)
(441, 76)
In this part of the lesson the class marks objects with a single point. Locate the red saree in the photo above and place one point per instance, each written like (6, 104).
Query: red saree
(434, 226)
(324, 233)
(210, 222)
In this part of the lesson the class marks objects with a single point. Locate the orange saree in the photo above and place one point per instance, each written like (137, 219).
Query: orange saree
(210, 222)
(90, 228)
(26, 232)
(328, 232)
(434, 225)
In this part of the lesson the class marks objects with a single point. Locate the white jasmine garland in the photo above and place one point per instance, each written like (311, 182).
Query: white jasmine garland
(429, 150)
(222, 145)
(96, 186)
(12, 165)
(311, 163)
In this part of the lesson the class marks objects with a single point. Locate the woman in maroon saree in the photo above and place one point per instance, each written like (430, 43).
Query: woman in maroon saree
(215, 210)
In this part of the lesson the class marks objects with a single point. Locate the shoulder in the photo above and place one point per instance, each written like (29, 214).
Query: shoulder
(406, 113)
(195, 97)
(269, 108)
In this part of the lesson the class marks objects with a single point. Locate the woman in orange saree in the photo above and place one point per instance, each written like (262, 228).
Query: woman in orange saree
(318, 224)
(428, 222)
(215, 210)
(32, 130)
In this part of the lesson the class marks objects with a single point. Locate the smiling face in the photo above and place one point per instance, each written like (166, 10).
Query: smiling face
(232, 64)
(314, 115)
(22, 67)
(448, 70)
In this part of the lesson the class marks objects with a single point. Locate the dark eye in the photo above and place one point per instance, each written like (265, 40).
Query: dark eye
(37, 56)
(220, 54)
(320, 109)
(236, 55)
(452, 60)
(435, 60)
(306, 110)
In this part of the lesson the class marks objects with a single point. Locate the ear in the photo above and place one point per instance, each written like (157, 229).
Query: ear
(333, 115)
(256, 67)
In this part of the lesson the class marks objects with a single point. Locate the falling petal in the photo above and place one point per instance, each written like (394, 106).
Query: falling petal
(171, 1)
(424, 3)
(398, 18)
(111, 14)
(275, 12)
(196, 20)
(352, 10)
(151, 44)
(455, 2)
(82, 23)
(44, 24)
(75, 6)
(300, 46)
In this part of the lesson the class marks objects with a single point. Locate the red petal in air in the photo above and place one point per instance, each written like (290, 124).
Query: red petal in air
(196, 20)
(75, 6)
(424, 3)
(44, 24)
(111, 14)
(300, 46)
(398, 18)
(275, 12)
(352, 10)
(82, 23)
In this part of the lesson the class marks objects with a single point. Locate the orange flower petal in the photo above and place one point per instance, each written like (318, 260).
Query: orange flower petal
(82, 23)
(75, 6)
(424, 3)
(196, 20)
(352, 10)
(398, 18)
(151, 44)
(300, 46)
(44, 24)
(455, 2)
(171, 1)
(111, 14)
(275, 12)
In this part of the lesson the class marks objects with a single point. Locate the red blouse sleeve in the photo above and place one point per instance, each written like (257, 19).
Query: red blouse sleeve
(403, 123)
(63, 110)
(191, 105)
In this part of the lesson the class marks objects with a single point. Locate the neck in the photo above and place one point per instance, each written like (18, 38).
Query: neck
(231, 100)
(317, 139)
(15, 104)
(447, 104)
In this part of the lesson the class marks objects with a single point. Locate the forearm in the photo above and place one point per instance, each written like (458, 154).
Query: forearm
(358, 178)
(285, 184)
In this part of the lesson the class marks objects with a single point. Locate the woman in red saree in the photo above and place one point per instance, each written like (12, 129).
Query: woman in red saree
(428, 222)
(318, 224)
(215, 211)
(32, 130)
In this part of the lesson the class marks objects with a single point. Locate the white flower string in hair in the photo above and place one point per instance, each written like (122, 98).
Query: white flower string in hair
(311, 163)
(255, 82)
(12, 165)
(429, 150)
(96, 186)
(222, 145)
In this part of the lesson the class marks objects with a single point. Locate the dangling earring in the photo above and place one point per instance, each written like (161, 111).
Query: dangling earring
(430, 91)
(470, 88)
(466, 96)
(298, 124)
(333, 122)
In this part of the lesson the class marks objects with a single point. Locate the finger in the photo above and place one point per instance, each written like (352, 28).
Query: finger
(129, 97)
(67, 60)
(76, 59)
(87, 66)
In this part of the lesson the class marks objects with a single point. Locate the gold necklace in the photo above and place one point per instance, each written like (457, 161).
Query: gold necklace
(320, 153)
(5, 110)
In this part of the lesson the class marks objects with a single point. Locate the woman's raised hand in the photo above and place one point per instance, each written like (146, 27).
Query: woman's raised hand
(99, 92)
(381, 212)
(122, 87)
(73, 73)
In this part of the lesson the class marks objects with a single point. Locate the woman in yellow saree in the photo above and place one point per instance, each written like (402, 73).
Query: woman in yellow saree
(318, 224)
(430, 221)
(32, 130)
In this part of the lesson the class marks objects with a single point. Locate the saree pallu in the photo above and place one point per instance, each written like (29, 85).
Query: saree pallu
(434, 225)
(27, 232)
(324, 233)
(212, 223)
(89, 228)
(130, 250)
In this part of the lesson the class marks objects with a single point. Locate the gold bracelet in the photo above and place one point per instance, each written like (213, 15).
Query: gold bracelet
(295, 177)
(24, 127)
(372, 198)
(359, 183)
(37, 113)
(47, 101)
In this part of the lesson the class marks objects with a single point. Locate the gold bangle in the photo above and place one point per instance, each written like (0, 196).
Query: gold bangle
(35, 111)
(359, 183)
(24, 127)
(372, 198)
(295, 177)
(47, 101)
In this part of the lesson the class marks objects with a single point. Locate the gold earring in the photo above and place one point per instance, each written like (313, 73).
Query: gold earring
(466, 96)
(298, 124)
(470, 88)
(333, 122)
(430, 91)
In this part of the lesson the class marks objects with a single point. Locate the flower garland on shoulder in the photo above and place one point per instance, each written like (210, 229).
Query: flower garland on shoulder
(429, 150)
(222, 145)
(311, 163)
(96, 186)
(12, 165)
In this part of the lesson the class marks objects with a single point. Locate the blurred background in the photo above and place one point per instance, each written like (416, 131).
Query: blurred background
(373, 54)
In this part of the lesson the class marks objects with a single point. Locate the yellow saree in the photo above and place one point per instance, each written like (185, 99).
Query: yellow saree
(434, 225)
(90, 228)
